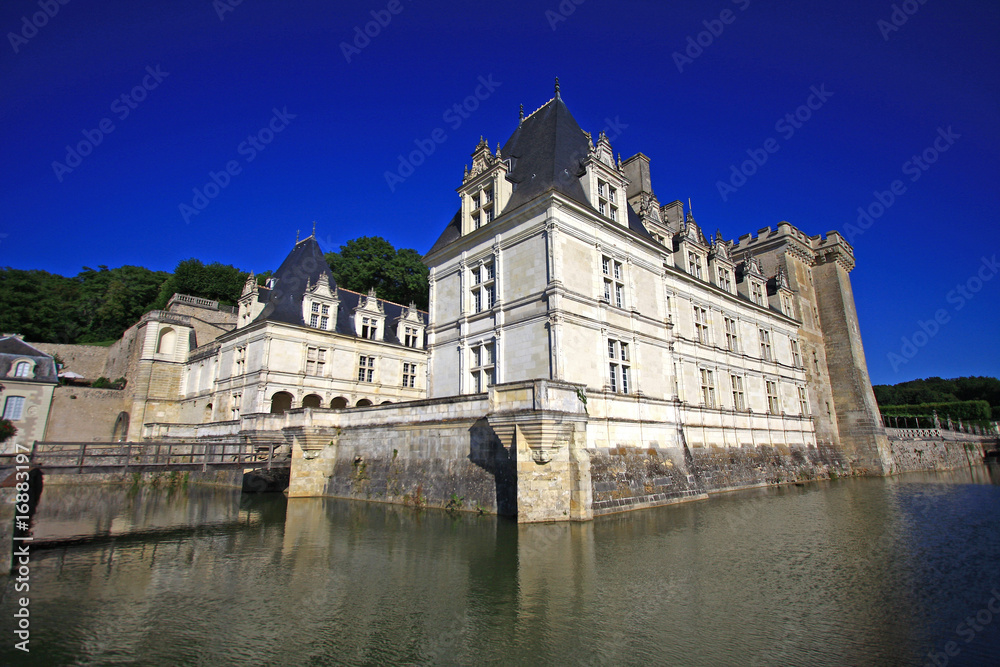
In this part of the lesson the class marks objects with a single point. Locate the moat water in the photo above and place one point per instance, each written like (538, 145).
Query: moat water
(899, 571)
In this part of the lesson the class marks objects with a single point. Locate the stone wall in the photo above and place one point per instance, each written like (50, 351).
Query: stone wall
(626, 478)
(84, 414)
(935, 449)
(86, 360)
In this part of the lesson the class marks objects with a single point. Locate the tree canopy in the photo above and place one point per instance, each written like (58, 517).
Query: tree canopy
(371, 261)
(98, 305)
(938, 390)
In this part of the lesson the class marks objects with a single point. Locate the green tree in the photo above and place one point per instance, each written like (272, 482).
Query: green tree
(216, 281)
(112, 300)
(371, 261)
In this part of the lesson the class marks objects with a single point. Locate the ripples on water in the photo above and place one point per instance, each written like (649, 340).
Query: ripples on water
(865, 572)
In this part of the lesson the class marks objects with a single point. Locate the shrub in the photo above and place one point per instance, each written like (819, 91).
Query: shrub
(7, 429)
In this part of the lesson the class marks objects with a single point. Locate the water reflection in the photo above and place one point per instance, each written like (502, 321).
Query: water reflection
(846, 572)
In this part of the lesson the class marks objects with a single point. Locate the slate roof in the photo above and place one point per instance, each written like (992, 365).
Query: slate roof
(13, 348)
(546, 151)
(284, 300)
(305, 263)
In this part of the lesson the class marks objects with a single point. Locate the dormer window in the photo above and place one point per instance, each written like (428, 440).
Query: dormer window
(22, 369)
(319, 317)
(369, 327)
(411, 336)
(475, 202)
(694, 264)
(757, 293)
(725, 280)
(606, 198)
(488, 194)
(410, 327)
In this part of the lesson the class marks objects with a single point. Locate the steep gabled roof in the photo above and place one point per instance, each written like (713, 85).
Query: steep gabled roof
(546, 151)
(304, 264)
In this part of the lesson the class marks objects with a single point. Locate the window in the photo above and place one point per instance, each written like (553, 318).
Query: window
(796, 356)
(369, 327)
(13, 407)
(482, 367)
(411, 337)
(707, 388)
(786, 305)
(476, 223)
(732, 339)
(235, 409)
(319, 315)
(241, 360)
(694, 264)
(739, 400)
(489, 214)
(409, 375)
(619, 365)
(483, 287)
(725, 280)
(765, 344)
(488, 194)
(772, 397)
(756, 293)
(23, 369)
(366, 369)
(316, 360)
(701, 324)
(803, 401)
(475, 202)
(613, 282)
(606, 199)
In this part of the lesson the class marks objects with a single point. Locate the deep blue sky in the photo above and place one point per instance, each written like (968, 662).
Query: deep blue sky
(615, 61)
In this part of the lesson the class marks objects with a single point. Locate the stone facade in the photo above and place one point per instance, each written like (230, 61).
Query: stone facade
(27, 378)
(587, 350)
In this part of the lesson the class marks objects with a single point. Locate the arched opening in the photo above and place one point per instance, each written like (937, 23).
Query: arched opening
(167, 342)
(281, 403)
(386, 403)
(363, 402)
(23, 369)
(338, 403)
(120, 432)
(312, 401)
(208, 412)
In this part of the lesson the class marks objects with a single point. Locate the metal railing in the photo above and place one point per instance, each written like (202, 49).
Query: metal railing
(143, 456)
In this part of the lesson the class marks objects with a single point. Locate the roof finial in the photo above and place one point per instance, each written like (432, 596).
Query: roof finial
(521, 117)
(690, 209)
(557, 88)
(297, 235)
(314, 229)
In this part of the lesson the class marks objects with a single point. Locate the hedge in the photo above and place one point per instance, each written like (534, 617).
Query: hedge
(964, 410)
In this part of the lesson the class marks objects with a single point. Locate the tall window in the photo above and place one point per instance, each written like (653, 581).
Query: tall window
(796, 356)
(732, 338)
(241, 360)
(614, 286)
(739, 400)
(786, 305)
(607, 199)
(772, 397)
(316, 360)
(708, 388)
(483, 287)
(235, 409)
(409, 374)
(366, 369)
(619, 366)
(725, 280)
(22, 370)
(701, 324)
(411, 336)
(756, 293)
(765, 345)
(482, 366)
(803, 401)
(483, 210)
(13, 407)
(694, 264)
